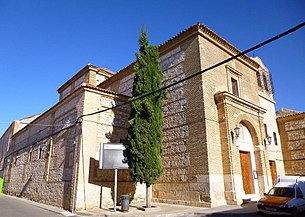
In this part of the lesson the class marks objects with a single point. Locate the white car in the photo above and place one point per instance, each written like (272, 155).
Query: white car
(286, 197)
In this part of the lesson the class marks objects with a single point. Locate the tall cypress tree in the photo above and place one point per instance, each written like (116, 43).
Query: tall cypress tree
(146, 117)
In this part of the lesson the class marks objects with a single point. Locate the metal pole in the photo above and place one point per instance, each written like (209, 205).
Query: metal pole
(115, 187)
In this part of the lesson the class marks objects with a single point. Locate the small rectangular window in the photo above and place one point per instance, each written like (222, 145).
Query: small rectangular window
(275, 139)
(266, 130)
(39, 153)
(30, 156)
(259, 82)
(234, 87)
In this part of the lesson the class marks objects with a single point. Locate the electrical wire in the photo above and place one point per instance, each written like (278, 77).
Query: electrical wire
(78, 120)
(200, 72)
(44, 125)
(38, 141)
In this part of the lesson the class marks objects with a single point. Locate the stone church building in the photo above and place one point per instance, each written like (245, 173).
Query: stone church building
(220, 146)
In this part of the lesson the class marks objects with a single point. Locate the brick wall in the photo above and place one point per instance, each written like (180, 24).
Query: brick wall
(292, 133)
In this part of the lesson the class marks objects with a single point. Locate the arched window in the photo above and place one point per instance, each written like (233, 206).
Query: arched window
(265, 82)
(258, 76)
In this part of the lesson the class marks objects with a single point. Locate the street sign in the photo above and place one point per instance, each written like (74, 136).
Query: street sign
(114, 156)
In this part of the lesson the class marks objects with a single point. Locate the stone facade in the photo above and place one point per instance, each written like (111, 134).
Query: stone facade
(6, 142)
(46, 160)
(57, 154)
(40, 161)
(202, 162)
(292, 131)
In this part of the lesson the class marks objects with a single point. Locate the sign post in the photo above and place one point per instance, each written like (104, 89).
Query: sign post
(114, 156)
(115, 187)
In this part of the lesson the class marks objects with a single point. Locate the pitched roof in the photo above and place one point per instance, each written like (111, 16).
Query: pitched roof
(194, 30)
(203, 30)
(283, 112)
(85, 69)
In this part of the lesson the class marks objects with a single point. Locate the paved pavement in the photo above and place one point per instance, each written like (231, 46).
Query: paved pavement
(18, 207)
(167, 210)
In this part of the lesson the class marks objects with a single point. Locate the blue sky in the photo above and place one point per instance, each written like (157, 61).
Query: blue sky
(44, 43)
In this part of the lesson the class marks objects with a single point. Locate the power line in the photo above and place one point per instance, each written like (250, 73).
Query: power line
(69, 125)
(44, 125)
(39, 140)
(200, 72)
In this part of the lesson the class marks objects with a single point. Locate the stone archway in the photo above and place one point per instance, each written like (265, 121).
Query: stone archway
(247, 160)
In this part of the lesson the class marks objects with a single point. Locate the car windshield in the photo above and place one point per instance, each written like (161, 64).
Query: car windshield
(282, 192)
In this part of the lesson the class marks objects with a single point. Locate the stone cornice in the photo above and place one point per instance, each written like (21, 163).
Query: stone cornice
(76, 92)
(224, 97)
(83, 71)
(226, 44)
(200, 29)
(122, 73)
(179, 38)
(230, 69)
(102, 90)
(192, 31)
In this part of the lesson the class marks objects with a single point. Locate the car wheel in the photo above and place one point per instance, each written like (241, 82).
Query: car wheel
(294, 212)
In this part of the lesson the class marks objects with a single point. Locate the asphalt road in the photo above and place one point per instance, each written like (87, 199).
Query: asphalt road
(15, 207)
(246, 210)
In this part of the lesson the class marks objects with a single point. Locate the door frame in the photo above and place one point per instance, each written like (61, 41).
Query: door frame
(273, 172)
(247, 170)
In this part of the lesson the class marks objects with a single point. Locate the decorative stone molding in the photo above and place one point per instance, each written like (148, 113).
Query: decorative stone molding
(234, 71)
(227, 97)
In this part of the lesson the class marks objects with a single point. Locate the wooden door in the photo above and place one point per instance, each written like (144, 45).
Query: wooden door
(246, 170)
(273, 171)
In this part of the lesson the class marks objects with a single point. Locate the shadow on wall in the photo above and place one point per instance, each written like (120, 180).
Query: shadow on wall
(25, 187)
(68, 146)
(105, 178)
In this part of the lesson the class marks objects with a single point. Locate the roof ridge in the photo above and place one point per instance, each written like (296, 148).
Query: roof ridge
(284, 112)
(197, 28)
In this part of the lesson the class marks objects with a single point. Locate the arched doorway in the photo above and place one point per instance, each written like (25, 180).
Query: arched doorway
(247, 160)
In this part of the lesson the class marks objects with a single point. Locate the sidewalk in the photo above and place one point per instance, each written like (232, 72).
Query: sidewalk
(160, 210)
(168, 210)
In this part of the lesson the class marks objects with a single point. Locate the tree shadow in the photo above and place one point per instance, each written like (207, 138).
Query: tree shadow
(68, 169)
(105, 177)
